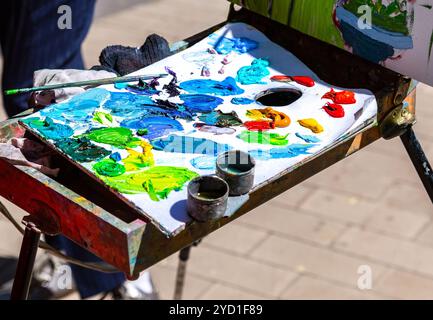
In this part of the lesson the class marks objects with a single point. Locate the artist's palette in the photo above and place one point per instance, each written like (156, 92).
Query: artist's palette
(146, 142)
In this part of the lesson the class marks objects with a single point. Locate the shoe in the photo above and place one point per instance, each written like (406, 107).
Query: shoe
(141, 289)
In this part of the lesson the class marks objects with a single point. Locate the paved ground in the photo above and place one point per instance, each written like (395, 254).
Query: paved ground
(308, 243)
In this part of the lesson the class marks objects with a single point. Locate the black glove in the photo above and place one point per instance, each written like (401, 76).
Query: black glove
(124, 60)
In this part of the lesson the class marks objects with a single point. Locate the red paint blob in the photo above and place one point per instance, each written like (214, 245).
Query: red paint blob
(302, 80)
(334, 110)
(342, 97)
(259, 125)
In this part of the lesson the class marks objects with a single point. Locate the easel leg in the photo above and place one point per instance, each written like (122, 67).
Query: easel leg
(181, 270)
(419, 160)
(26, 261)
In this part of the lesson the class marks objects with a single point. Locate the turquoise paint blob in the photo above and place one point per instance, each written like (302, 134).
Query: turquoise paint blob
(228, 87)
(200, 103)
(291, 151)
(308, 138)
(49, 129)
(189, 145)
(79, 108)
(204, 163)
(242, 101)
(156, 126)
(210, 118)
(121, 85)
(255, 73)
(224, 45)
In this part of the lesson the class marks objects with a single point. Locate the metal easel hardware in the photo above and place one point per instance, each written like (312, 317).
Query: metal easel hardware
(396, 122)
(26, 261)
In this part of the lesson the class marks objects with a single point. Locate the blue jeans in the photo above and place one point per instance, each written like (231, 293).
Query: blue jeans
(30, 40)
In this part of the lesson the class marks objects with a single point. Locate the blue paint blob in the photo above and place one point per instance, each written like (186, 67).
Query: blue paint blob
(224, 45)
(200, 103)
(79, 108)
(156, 126)
(204, 163)
(308, 138)
(291, 151)
(116, 156)
(127, 105)
(228, 87)
(49, 129)
(189, 145)
(242, 101)
(255, 73)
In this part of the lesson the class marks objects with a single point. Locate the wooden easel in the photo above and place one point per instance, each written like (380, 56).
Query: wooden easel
(124, 239)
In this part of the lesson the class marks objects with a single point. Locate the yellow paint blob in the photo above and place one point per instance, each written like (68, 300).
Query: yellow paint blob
(311, 124)
(280, 119)
(139, 160)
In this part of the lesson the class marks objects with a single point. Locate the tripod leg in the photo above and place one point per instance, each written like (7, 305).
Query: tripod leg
(181, 272)
(419, 160)
(26, 261)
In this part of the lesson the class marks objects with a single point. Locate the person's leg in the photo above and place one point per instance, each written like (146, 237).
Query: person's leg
(31, 39)
(89, 282)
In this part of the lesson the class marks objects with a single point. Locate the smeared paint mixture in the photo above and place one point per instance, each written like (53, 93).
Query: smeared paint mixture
(154, 127)
(117, 137)
(291, 151)
(139, 160)
(158, 181)
(224, 45)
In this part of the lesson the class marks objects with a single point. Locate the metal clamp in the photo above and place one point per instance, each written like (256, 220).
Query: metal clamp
(396, 122)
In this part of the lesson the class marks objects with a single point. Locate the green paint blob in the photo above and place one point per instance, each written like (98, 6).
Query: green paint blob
(118, 137)
(82, 150)
(109, 168)
(255, 73)
(103, 118)
(158, 181)
(142, 132)
(264, 138)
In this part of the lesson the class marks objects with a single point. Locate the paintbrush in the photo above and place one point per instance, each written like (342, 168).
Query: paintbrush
(86, 83)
